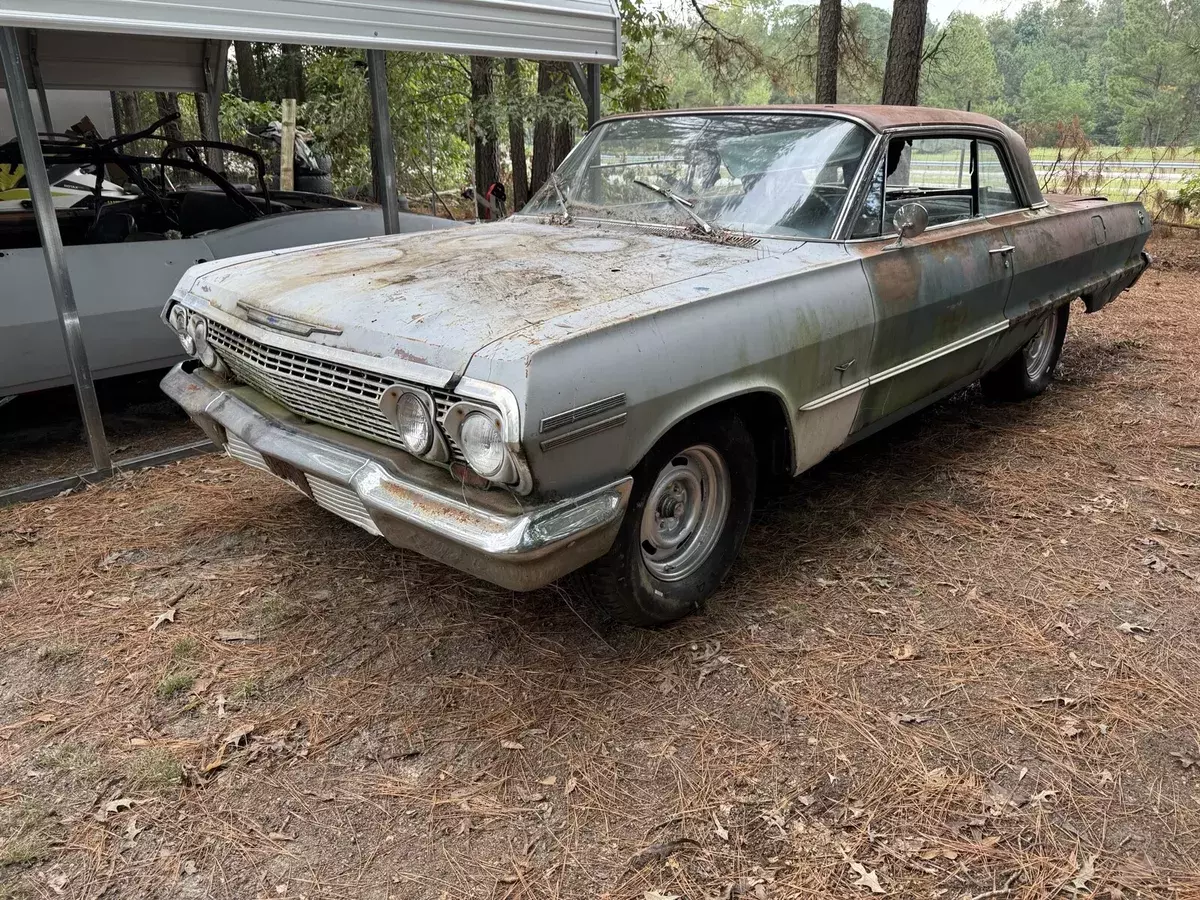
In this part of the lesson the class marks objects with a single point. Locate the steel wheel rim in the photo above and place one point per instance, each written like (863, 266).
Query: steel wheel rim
(1040, 347)
(685, 513)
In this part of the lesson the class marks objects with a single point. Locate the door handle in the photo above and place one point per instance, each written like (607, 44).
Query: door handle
(1007, 248)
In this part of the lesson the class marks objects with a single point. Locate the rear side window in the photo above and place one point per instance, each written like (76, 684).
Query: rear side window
(996, 193)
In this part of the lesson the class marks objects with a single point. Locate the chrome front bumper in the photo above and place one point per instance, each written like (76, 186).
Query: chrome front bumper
(489, 534)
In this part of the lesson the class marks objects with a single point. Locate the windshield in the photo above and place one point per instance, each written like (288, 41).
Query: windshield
(761, 173)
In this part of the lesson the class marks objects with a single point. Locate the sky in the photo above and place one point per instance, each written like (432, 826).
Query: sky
(939, 10)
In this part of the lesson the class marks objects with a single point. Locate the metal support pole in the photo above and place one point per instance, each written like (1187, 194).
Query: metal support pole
(52, 247)
(383, 149)
(593, 79)
(38, 84)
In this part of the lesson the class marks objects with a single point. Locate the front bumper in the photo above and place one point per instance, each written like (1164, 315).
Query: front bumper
(489, 534)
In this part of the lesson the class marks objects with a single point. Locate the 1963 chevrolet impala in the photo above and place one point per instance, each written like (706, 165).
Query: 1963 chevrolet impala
(694, 301)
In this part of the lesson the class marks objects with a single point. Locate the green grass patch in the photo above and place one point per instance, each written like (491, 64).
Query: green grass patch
(77, 760)
(174, 684)
(185, 648)
(155, 770)
(54, 654)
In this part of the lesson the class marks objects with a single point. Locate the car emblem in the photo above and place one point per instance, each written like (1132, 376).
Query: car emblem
(287, 324)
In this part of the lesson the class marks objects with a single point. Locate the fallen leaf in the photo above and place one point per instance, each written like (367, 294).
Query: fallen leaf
(548, 782)
(112, 807)
(1154, 564)
(1062, 701)
(132, 830)
(908, 719)
(569, 787)
(1070, 728)
(1134, 628)
(720, 830)
(866, 879)
(189, 868)
(512, 745)
(1087, 871)
(45, 718)
(281, 836)
(1042, 796)
(1186, 760)
(906, 652)
(167, 615)
(220, 701)
(236, 737)
(659, 895)
(57, 882)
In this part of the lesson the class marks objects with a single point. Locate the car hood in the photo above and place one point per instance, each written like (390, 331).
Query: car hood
(438, 297)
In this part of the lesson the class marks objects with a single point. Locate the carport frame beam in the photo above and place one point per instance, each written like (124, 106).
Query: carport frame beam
(52, 246)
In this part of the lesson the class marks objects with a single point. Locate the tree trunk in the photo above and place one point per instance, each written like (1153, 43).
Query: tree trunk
(168, 105)
(902, 76)
(487, 144)
(114, 98)
(201, 99)
(564, 140)
(293, 67)
(548, 138)
(516, 135)
(131, 121)
(249, 82)
(829, 28)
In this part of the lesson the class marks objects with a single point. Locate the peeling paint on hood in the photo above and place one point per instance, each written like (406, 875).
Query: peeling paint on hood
(437, 297)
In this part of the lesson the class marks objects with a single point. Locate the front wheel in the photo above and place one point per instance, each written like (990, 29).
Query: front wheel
(1030, 370)
(687, 518)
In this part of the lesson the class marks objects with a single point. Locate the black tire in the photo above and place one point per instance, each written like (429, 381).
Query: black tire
(622, 582)
(315, 184)
(1013, 380)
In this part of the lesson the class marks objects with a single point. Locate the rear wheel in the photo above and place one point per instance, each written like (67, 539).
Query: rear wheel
(1030, 370)
(687, 518)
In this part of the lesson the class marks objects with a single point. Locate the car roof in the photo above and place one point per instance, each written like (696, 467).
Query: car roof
(882, 119)
(877, 117)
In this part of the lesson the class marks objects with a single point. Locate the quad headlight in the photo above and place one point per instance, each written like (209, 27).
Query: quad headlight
(482, 443)
(192, 331)
(414, 423)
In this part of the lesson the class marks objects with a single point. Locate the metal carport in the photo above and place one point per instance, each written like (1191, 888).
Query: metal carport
(179, 45)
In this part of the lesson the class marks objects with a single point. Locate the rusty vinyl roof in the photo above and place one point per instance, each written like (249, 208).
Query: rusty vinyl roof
(885, 118)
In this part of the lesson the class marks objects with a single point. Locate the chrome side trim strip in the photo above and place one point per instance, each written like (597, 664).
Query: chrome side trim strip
(578, 413)
(981, 334)
(870, 381)
(836, 395)
(585, 431)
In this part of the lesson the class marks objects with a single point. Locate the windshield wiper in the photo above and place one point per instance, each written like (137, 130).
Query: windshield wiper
(562, 198)
(685, 205)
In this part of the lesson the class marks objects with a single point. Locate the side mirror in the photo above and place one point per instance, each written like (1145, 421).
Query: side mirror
(910, 220)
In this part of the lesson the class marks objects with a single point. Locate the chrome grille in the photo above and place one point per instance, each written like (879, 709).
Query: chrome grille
(333, 394)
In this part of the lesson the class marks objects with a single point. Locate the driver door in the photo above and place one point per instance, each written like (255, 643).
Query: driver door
(939, 297)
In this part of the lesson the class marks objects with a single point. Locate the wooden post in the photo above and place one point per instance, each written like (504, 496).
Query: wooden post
(287, 147)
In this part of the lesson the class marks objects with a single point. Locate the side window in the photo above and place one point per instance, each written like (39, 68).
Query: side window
(934, 171)
(996, 194)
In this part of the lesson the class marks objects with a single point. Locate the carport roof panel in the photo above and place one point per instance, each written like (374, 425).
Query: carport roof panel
(578, 30)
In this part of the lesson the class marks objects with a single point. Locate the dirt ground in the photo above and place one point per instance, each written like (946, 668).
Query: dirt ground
(961, 660)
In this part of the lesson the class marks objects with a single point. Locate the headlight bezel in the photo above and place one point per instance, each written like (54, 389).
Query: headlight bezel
(511, 472)
(437, 451)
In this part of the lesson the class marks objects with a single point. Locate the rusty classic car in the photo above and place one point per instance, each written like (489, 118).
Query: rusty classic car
(694, 302)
